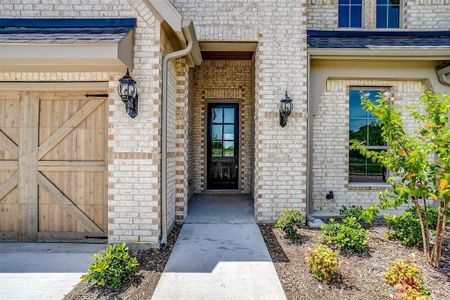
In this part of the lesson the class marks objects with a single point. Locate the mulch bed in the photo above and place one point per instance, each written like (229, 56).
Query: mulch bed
(360, 276)
(140, 286)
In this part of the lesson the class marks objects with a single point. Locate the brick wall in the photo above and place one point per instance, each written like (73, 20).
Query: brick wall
(331, 143)
(133, 144)
(322, 14)
(426, 14)
(279, 27)
(416, 14)
(224, 80)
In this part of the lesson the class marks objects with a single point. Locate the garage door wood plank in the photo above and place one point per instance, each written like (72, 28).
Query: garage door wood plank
(8, 185)
(68, 126)
(65, 202)
(7, 144)
(61, 166)
(28, 167)
(6, 165)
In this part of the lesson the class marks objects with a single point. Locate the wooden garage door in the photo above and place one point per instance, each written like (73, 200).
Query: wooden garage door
(52, 166)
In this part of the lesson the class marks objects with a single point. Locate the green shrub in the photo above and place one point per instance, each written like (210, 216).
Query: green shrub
(349, 235)
(362, 216)
(323, 263)
(407, 279)
(406, 228)
(111, 267)
(290, 223)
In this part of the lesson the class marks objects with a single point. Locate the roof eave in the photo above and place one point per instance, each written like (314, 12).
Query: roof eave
(384, 53)
(166, 12)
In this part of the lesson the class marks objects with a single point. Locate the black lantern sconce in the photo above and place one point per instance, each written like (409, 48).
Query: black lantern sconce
(129, 95)
(286, 107)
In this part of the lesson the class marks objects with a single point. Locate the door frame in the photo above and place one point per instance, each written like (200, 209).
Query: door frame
(205, 144)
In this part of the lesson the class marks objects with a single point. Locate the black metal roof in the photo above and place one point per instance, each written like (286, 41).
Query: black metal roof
(378, 39)
(65, 31)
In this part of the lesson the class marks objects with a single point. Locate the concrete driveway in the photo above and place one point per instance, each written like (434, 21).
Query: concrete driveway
(220, 254)
(42, 271)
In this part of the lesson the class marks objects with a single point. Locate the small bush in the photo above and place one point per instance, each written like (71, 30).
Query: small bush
(111, 267)
(407, 279)
(290, 223)
(406, 228)
(323, 263)
(362, 216)
(349, 235)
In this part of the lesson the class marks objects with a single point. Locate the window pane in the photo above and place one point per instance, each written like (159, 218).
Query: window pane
(356, 109)
(356, 2)
(344, 2)
(375, 173)
(358, 130)
(382, 2)
(375, 138)
(217, 115)
(355, 157)
(228, 149)
(381, 16)
(355, 16)
(217, 149)
(394, 17)
(228, 115)
(344, 16)
(217, 132)
(228, 132)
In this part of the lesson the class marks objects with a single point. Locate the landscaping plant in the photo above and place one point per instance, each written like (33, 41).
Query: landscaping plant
(419, 161)
(407, 279)
(349, 235)
(290, 223)
(111, 267)
(323, 263)
(362, 216)
(406, 228)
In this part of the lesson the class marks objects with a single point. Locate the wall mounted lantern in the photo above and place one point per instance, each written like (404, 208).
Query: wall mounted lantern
(286, 107)
(129, 95)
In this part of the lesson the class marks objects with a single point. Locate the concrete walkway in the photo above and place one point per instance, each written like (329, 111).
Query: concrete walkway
(42, 271)
(220, 254)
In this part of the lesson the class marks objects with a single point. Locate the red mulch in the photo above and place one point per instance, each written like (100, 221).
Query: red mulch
(140, 286)
(360, 276)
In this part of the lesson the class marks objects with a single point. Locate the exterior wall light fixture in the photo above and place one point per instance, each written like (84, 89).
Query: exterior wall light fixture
(129, 95)
(286, 107)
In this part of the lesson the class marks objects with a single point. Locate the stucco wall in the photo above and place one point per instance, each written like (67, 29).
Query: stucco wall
(279, 27)
(133, 144)
(331, 142)
(416, 14)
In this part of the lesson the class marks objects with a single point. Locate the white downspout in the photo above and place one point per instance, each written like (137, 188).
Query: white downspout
(166, 60)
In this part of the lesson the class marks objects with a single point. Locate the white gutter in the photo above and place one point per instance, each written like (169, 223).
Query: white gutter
(189, 34)
(309, 125)
(384, 53)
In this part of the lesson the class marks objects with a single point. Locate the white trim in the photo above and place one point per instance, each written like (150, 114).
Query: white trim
(164, 10)
(33, 57)
(440, 53)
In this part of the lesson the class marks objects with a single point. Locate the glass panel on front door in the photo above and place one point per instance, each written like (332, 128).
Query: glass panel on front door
(223, 132)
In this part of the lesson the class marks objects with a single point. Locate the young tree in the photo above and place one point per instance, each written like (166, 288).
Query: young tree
(419, 162)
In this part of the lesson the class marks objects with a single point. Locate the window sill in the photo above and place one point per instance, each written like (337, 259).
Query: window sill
(367, 186)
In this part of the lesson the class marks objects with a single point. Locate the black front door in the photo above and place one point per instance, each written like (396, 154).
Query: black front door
(223, 146)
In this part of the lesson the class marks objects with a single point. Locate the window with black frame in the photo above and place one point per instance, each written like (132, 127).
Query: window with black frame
(350, 13)
(388, 13)
(365, 128)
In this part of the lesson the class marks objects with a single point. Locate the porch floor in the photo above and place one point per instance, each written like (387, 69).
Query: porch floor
(220, 254)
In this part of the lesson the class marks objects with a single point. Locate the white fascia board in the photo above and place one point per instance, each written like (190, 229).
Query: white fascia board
(104, 57)
(165, 11)
(377, 53)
